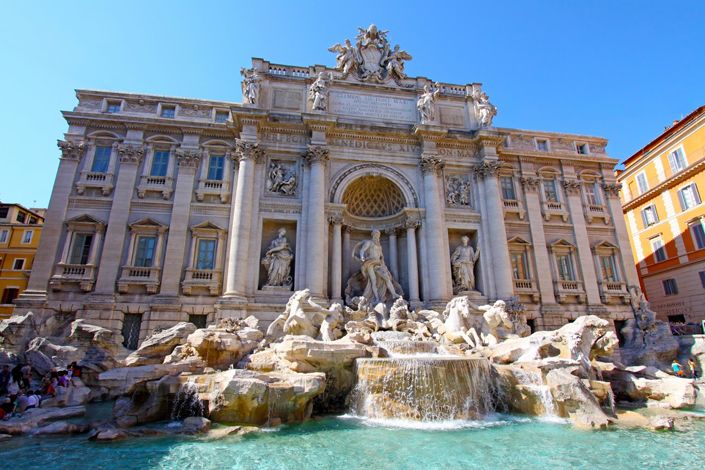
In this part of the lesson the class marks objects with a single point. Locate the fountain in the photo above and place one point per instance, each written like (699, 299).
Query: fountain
(187, 402)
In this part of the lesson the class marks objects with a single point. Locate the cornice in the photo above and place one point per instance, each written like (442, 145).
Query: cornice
(530, 155)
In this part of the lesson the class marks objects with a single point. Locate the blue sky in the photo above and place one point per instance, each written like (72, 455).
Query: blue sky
(618, 69)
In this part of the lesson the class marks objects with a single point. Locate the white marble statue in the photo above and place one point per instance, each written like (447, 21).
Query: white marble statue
(379, 285)
(457, 191)
(426, 104)
(277, 261)
(484, 110)
(497, 325)
(318, 92)
(395, 63)
(295, 320)
(463, 262)
(459, 325)
(347, 59)
(250, 85)
(280, 179)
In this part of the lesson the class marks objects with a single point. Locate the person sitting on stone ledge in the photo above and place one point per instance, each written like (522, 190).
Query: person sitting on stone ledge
(33, 400)
(693, 368)
(677, 368)
(7, 405)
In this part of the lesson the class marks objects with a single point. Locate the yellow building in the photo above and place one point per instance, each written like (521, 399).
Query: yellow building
(20, 231)
(663, 186)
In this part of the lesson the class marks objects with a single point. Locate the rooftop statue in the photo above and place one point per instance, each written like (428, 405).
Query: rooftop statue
(250, 86)
(426, 104)
(484, 110)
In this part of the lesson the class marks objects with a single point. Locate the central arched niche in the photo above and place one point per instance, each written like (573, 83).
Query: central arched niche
(372, 196)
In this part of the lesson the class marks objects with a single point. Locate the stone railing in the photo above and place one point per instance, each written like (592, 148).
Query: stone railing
(95, 179)
(566, 289)
(217, 188)
(158, 184)
(70, 274)
(147, 277)
(613, 291)
(285, 70)
(554, 208)
(514, 206)
(596, 211)
(526, 287)
(209, 279)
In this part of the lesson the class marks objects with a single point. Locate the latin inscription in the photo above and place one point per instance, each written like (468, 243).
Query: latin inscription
(371, 145)
(372, 106)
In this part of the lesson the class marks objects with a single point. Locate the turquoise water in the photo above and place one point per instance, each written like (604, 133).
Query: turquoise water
(336, 443)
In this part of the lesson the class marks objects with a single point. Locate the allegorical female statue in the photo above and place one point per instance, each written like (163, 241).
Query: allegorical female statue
(463, 261)
(426, 104)
(277, 261)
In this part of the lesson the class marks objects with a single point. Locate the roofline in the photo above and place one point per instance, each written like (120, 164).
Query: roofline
(21, 207)
(665, 134)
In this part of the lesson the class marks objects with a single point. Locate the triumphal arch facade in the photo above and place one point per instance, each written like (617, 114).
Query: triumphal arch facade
(350, 180)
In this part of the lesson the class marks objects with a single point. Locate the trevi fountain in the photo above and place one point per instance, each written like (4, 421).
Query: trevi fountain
(372, 376)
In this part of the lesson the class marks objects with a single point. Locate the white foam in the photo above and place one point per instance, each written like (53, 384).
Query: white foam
(444, 425)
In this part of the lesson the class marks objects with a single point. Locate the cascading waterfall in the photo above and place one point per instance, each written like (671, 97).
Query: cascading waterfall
(187, 402)
(424, 388)
(532, 382)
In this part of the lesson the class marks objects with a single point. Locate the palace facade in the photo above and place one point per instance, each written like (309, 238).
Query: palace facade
(170, 209)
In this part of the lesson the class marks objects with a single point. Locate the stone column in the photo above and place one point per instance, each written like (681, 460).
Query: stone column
(498, 259)
(436, 256)
(393, 263)
(346, 252)
(542, 276)
(248, 153)
(43, 266)
(582, 242)
(130, 157)
(411, 261)
(95, 245)
(336, 268)
(315, 230)
(631, 278)
(179, 225)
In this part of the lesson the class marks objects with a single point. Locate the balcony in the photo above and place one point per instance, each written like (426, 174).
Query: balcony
(566, 290)
(596, 211)
(526, 288)
(156, 184)
(614, 292)
(513, 206)
(554, 209)
(95, 179)
(71, 274)
(136, 276)
(217, 188)
(207, 279)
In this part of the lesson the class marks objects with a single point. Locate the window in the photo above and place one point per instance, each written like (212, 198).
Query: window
(206, 254)
(3, 235)
(3, 212)
(676, 160)
(21, 217)
(507, 141)
(9, 295)
(520, 268)
(649, 216)
(198, 320)
(144, 257)
(113, 107)
(101, 159)
(542, 145)
(582, 149)
(215, 167)
(698, 232)
(32, 221)
(608, 266)
(81, 248)
(168, 111)
(592, 193)
(131, 326)
(658, 249)
(18, 264)
(677, 318)
(702, 278)
(670, 287)
(221, 116)
(550, 191)
(689, 197)
(27, 236)
(507, 183)
(565, 267)
(642, 183)
(160, 163)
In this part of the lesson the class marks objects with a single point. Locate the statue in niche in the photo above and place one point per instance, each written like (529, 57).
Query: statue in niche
(277, 261)
(484, 110)
(250, 85)
(463, 261)
(318, 91)
(280, 179)
(426, 104)
(457, 191)
(374, 281)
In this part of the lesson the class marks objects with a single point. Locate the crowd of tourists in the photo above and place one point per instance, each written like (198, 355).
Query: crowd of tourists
(19, 392)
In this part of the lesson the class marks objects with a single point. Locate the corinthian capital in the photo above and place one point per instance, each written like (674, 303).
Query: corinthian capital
(612, 189)
(130, 153)
(430, 163)
(571, 186)
(411, 222)
(71, 150)
(487, 168)
(529, 183)
(248, 151)
(188, 158)
(316, 153)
